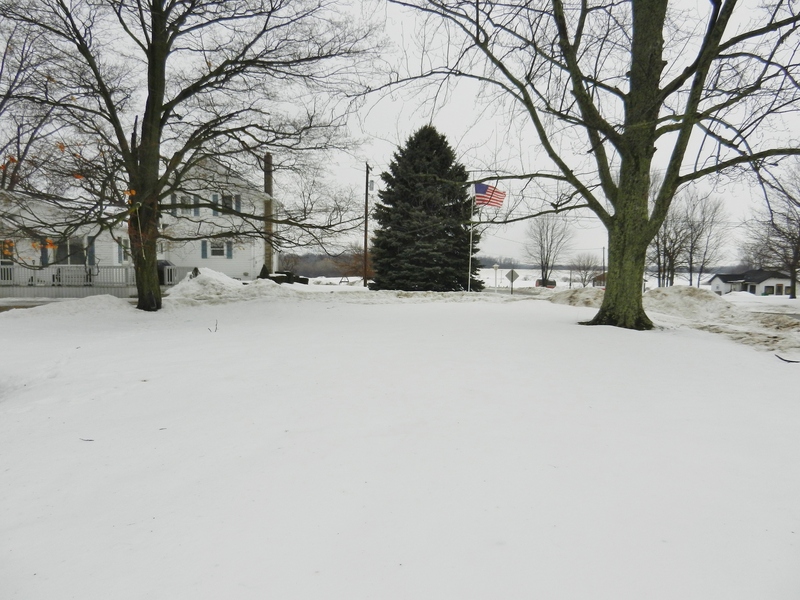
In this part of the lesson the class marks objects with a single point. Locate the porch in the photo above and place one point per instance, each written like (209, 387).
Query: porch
(77, 281)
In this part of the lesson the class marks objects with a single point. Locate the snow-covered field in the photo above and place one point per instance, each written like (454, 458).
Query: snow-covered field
(326, 442)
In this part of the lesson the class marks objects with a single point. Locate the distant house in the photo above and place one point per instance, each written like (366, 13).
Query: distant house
(756, 281)
(599, 280)
(550, 283)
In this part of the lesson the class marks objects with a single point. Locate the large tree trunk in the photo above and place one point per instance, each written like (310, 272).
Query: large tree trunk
(622, 302)
(143, 233)
(628, 238)
(144, 170)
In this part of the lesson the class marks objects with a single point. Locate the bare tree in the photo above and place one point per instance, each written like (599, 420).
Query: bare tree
(774, 232)
(612, 90)
(351, 262)
(691, 237)
(548, 237)
(586, 266)
(706, 232)
(28, 152)
(160, 87)
(27, 126)
(668, 248)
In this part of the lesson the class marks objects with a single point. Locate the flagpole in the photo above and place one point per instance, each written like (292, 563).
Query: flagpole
(471, 229)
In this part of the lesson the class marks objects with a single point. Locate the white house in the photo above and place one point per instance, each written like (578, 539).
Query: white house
(37, 259)
(201, 228)
(216, 222)
(756, 281)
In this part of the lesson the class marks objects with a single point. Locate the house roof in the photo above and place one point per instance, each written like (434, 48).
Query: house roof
(751, 276)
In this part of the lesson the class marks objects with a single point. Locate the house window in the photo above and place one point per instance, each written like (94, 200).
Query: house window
(6, 252)
(187, 205)
(769, 290)
(71, 252)
(227, 202)
(217, 248)
(123, 251)
(779, 289)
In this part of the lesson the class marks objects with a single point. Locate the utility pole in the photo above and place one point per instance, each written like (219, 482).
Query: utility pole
(268, 213)
(366, 221)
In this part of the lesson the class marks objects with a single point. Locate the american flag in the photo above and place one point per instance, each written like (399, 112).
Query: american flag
(487, 195)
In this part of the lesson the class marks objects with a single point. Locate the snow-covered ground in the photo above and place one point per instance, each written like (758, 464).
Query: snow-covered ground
(327, 442)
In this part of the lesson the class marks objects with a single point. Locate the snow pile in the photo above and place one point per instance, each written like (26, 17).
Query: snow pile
(691, 303)
(745, 297)
(212, 287)
(588, 296)
(706, 311)
(541, 293)
(767, 304)
(101, 305)
(351, 282)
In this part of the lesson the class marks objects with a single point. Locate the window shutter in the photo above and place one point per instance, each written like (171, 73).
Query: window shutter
(214, 202)
(120, 253)
(204, 249)
(90, 254)
(174, 205)
(228, 249)
(238, 200)
(196, 206)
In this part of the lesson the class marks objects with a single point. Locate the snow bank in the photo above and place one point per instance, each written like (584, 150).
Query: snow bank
(674, 306)
(748, 320)
(705, 310)
(592, 297)
(212, 287)
(94, 306)
(690, 303)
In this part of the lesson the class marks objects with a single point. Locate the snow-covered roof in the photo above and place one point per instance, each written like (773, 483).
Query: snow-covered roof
(751, 276)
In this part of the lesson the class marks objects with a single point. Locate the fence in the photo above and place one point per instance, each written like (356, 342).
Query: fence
(77, 281)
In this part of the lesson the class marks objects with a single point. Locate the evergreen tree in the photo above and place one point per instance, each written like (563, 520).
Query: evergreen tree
(422, 241)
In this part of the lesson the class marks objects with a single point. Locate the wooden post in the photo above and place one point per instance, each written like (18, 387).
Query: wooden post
(366, 224)
(268, 212)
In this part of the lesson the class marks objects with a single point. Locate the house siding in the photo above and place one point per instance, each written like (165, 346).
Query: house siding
(245, 261)
(720, 287)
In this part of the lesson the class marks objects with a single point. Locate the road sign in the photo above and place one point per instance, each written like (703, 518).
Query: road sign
(512, 275)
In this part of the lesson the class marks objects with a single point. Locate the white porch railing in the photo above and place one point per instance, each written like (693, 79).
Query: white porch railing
(66, 275)
(68, 281)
